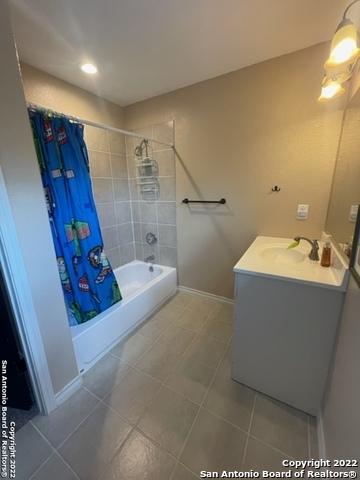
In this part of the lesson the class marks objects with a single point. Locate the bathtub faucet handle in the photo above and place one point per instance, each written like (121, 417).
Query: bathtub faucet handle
(150, 258)
(150, 238)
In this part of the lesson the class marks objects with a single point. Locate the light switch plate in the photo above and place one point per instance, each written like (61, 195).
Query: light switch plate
(302, 211)
(353, 213)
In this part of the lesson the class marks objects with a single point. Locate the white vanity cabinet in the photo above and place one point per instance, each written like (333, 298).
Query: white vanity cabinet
(285, 327)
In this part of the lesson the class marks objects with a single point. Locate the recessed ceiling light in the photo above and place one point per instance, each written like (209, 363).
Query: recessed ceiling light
(89, 68)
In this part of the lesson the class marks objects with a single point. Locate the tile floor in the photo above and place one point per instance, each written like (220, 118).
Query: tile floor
(162, 405)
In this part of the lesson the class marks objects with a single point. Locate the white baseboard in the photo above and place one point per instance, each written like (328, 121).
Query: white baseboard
(68, 390)
(321, 437)
(206, 294)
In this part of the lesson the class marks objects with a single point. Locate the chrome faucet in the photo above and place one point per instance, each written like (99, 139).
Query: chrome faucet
(150, 259)
(314, 253)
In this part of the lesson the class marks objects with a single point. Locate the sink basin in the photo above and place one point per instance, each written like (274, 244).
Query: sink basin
(281, 254)
(269, 256)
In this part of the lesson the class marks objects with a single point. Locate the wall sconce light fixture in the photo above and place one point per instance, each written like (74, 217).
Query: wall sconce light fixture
(344, 53)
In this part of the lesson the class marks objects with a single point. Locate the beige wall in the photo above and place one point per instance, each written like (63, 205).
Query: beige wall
(238, 135)
(23, 184)
(51, 92)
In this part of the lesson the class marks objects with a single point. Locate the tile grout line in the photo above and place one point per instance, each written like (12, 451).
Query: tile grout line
(156, 340)
(248, 432)
(101, 401)
(183, 355)
(186, 468)
(162, 384)
(272, 447)
(130, 201)
(193, 341)
(134, 426)
(113, 202)
(203, 400)
(54, 452)
(201, 405)
(308, 437)
(47, 458)
(157, 223)
(92, 410)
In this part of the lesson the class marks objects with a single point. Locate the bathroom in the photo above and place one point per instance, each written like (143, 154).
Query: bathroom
(222, 349)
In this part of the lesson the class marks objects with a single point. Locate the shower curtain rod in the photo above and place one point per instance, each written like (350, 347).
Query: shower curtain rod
(96, 124)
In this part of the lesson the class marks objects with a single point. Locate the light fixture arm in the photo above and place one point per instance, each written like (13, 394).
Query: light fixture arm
(348, 8)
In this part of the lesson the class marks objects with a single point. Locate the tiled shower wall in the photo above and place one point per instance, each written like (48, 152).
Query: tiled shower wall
(157, 216)
(109, 174)
(125, 217)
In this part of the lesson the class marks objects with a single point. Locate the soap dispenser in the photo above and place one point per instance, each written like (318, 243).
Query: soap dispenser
(326, 255)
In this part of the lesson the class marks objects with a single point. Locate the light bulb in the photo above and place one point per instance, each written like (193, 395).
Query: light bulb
(344, 51)
(331, 90)
(89, 68)
(344, 45)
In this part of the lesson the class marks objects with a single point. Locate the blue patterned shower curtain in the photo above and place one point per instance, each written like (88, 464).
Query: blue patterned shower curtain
(88, 282)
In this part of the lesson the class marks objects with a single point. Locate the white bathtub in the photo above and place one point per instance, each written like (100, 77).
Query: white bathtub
(142, 291)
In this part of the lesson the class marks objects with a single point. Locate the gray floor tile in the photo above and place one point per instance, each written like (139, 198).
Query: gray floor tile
(173, 308)
(178, 338)
(63, 421)
(155, 326)
(182, 473)
(139, 459)
(93, 445)
(181, 345)
(213, 445)
(168, 419)
(159, 361)
(151, 330)
(222, 331)
(31, 451)
(130, 349)
(132, 395)
(191, 379)
(314, 444)
(230, 399)
(181, 299)
(192, 319)
(262, 457)
(206, 350)
(204, 304)
(105, 375)
(54, 469)
(280, 426)
(225, 313)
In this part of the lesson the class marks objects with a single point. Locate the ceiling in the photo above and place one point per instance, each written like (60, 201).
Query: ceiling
(144, 48)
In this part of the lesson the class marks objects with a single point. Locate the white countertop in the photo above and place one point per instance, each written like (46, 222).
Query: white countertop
(269, 256)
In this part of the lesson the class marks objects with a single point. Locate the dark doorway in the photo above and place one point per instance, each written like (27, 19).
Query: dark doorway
(20, 403)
